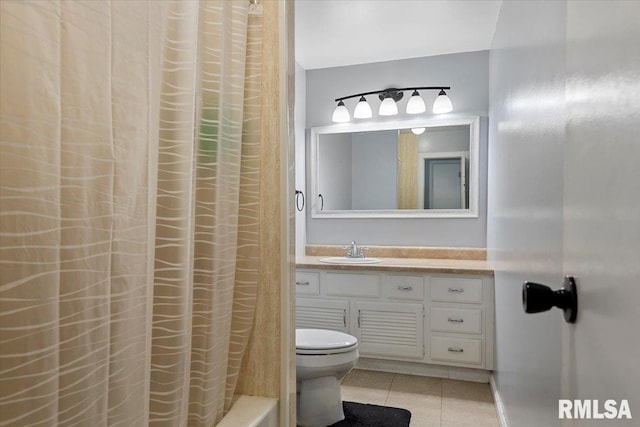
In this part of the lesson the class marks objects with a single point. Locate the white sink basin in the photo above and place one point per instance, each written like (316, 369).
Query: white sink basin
(345, 260)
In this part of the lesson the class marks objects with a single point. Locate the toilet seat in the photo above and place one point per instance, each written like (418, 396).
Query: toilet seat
(321, 341)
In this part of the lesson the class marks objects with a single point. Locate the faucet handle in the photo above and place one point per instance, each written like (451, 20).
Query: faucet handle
(362, 249)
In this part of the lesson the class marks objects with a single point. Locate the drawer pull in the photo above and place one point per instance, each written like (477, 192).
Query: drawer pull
(344, 317)
(455, 320)
(302, 283)
(456, 290)
(405, 288)
(455, 350)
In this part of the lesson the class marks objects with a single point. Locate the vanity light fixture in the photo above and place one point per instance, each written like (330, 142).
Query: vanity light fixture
(363, 109)
(442, 104)
(389, 106)
(418, 131)
(416, 104)
(341, 114)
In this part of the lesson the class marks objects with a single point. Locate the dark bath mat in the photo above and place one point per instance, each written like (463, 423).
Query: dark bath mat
(364, 415)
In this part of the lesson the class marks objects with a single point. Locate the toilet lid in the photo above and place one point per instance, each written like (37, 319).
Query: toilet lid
(322, 341)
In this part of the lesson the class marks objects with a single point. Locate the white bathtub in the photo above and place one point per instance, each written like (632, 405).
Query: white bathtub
(251, 411)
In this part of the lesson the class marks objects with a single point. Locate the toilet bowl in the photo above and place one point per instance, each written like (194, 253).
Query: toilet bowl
(323, 359)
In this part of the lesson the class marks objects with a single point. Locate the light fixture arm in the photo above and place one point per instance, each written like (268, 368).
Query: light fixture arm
(392, 90)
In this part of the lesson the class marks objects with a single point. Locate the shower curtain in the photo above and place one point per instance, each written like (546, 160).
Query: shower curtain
(129, 163)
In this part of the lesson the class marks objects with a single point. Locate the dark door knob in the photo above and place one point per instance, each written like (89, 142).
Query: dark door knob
(537, 298)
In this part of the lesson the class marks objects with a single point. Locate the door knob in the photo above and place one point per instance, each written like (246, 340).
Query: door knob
(537, 298)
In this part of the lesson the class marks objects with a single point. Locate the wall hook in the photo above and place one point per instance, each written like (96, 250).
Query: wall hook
(299, 196)
(537, 298)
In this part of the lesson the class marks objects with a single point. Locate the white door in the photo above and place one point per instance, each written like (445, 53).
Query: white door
(601, 352)
(564, 199)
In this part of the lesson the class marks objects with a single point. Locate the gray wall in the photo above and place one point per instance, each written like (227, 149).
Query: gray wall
(334, 180)
(525, 203)
(374, 157)
(468, 75)
(444, 140)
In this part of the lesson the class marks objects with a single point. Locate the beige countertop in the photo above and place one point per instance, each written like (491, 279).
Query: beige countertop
(415, 265)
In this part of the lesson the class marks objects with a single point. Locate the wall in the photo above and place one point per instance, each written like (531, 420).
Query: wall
(444, 140)
(300, 112)
(335, 179)
(374, 169)
(525, 202)
(468, 75)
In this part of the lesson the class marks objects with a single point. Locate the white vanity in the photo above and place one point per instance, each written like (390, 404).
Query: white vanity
(430, 317)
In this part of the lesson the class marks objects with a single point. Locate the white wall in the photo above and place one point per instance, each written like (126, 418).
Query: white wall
(468, 75)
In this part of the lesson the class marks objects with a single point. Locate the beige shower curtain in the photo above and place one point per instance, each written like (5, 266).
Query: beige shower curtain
(130, 154)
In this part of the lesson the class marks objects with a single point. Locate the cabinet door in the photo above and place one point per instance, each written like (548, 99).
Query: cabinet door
(319, 313)
(389, 329)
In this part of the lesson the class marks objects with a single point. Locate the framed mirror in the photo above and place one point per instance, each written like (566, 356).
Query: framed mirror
(416, 168)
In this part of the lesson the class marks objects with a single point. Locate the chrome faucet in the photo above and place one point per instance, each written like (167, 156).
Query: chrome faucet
(353, 251)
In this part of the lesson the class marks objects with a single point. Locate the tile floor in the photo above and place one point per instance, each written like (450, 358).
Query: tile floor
(433, 402)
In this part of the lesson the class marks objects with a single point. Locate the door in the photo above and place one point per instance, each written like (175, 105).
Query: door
(563, 199)
(389, 329)
(601, 227)
(316, 313)
(444, 185)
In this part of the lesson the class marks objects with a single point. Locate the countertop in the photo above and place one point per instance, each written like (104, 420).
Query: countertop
(415, 265)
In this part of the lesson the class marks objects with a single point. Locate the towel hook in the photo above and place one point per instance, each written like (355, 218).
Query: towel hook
(299, 196)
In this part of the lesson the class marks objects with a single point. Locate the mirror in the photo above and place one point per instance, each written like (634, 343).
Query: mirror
(385, 170)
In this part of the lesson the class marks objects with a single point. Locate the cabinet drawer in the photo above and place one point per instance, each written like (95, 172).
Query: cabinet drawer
(461, 320)
(448, 289)
(405, 288)
(351, 285)
(461, 350)
(307, 284)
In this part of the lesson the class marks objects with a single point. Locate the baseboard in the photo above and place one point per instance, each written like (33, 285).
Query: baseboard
(502, 415)
(424, 369)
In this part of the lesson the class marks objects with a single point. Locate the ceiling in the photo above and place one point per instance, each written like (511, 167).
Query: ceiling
(332, 33)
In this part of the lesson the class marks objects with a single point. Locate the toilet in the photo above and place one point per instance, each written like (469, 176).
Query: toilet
(323, 359)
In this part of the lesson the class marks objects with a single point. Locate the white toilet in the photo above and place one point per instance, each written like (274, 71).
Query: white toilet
(323, 359)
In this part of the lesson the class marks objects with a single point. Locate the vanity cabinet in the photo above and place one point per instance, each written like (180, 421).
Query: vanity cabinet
(432, 318)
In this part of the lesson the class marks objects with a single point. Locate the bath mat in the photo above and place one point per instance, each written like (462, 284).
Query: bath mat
(362, 414)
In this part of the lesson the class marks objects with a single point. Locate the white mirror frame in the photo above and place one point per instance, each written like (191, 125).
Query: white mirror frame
(474, 167)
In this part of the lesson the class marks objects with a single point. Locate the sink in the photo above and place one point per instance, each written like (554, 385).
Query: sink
(345, 260)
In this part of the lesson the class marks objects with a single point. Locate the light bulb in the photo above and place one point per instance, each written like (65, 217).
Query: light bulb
(417, 131)
(416, 104)
(340, 114)
(388, 107)
(442, 104)
(362, 110)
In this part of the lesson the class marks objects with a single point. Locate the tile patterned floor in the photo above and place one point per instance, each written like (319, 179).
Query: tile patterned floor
(433, 402)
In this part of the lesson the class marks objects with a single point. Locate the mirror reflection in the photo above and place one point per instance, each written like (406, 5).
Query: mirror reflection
(412, 170)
